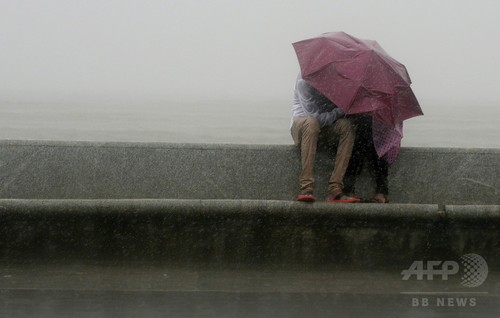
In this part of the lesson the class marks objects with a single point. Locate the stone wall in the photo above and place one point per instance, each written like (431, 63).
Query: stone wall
(233, 206)
(80, 170)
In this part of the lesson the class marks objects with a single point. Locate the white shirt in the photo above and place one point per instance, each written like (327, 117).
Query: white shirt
(308, 101)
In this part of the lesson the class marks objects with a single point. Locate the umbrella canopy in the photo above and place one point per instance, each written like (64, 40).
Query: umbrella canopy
(387, 139)
(358, 76)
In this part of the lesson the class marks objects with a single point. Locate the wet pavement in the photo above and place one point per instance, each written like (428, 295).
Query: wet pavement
(71, 303)
(128, 290)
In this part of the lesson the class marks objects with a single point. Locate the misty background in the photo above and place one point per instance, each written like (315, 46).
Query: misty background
(224, 71)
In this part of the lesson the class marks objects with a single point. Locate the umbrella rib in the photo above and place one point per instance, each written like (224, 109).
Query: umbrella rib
(361, 82)
(383, 60)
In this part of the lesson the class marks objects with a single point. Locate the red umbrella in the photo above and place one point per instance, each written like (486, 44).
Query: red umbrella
(358, 76)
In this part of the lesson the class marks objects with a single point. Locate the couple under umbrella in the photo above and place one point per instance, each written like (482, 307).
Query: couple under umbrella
(346, 85)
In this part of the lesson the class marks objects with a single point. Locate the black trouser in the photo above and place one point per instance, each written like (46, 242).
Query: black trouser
(364, 149)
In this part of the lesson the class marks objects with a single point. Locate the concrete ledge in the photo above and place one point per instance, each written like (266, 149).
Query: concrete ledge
(244, 233)
(233, 206)
(225, 208)
(85, 170)
(472, 212)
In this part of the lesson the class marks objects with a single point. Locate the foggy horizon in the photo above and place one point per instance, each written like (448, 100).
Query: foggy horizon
(224, 71)
(182, 50)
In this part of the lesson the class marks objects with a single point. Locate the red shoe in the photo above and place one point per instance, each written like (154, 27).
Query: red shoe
(341, 197)
(306, 197)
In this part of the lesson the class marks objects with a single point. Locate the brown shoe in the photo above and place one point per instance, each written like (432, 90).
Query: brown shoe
(379, 198)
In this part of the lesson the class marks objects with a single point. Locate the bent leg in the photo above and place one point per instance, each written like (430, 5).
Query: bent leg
(363, 144)
(379, 165)
(305, 132)
(381, 169)
(345, 130)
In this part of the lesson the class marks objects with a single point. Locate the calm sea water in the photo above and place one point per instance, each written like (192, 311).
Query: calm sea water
(237, 122)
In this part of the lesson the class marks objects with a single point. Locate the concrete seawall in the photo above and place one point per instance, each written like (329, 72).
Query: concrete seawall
(232, 205)
(246, 233)
(80, 170)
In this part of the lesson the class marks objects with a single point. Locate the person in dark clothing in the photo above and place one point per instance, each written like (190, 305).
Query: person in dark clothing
(364, 151)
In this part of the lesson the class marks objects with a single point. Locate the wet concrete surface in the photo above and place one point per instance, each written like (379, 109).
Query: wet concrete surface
(141, 290)
(71, 303)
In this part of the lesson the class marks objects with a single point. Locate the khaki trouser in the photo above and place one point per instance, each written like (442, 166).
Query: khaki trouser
(305, 133)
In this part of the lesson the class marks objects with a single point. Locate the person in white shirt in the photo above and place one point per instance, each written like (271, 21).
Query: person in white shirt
(312, 112)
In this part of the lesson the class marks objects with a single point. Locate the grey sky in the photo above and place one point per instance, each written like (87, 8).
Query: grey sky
(152, 49)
